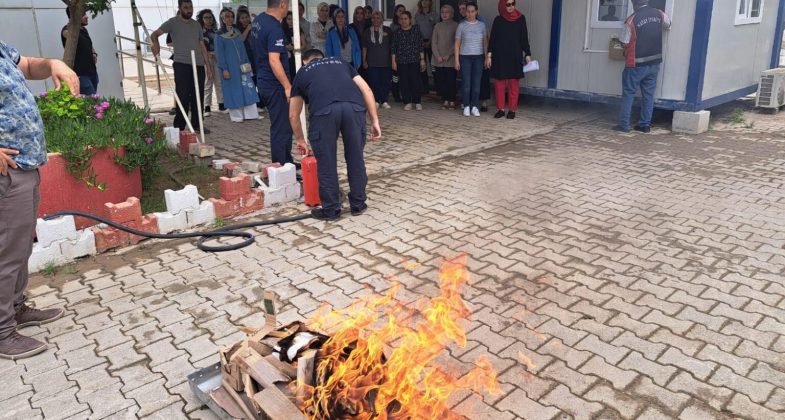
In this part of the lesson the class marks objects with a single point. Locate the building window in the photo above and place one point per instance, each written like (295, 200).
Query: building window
(749, 11)
(609, 14)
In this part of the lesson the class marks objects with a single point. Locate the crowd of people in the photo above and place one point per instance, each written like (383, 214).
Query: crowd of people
(422, 51)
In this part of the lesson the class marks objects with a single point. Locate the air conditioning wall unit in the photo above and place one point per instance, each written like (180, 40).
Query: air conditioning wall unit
(771, 89)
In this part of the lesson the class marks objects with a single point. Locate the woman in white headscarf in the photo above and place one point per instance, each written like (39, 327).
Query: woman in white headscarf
(236, 73)
(320, 27)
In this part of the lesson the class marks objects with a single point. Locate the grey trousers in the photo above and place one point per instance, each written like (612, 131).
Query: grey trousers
(19, 199)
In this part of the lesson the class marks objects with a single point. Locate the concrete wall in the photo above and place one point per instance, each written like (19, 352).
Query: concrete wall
(585, 66)
(737, 54)
(33, 26)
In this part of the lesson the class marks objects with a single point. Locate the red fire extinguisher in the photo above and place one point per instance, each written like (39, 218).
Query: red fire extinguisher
(310, 181)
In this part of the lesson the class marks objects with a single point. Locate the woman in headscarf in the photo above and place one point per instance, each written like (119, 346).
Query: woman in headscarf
(235, 74)
(443, 42)
(243, 25)
(376, 59)
(508, 51)
(342, 41)
(321, 26)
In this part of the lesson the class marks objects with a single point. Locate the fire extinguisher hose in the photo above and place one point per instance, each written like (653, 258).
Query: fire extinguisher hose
(231, 231)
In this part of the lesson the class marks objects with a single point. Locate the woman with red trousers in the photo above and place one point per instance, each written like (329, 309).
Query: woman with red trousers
(508, 51)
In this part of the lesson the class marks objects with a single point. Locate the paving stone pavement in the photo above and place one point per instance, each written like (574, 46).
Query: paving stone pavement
(613, 276)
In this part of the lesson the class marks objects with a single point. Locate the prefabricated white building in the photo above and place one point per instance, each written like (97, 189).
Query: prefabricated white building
(714, 52)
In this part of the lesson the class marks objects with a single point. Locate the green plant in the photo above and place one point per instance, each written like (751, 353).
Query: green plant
(77, 126)
(737, 117)
(219, 222)
(49, 269)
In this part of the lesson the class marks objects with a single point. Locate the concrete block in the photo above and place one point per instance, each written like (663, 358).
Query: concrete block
(172, 135)
(43, 255)
(691, 122)
(283, 176)
(179, 200)
(251, 167)
(251, 202)
(223, 208)
(168, 222)
(229, 169)
(234, 188)
(266, 168)
(201, 150)
(219, 163)
(130, 209)
(109, 237)
(293, 191)
(202, 215)
(55, 230)
(82, 247)
(148, 223)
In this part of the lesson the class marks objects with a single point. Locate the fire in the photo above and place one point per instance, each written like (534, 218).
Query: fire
(380, 362)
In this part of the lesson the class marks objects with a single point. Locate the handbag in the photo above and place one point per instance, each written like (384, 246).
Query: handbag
(244, 67)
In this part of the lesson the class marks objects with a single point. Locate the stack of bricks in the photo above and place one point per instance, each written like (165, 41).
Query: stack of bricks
(59, 242)
(128, 213)
(183, 210)
(237, 197)
(283, 186)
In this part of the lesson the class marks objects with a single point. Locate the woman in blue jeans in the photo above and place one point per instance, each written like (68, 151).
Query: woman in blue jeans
(471, 44)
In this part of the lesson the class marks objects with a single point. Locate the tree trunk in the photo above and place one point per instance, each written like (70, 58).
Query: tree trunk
(77, 8)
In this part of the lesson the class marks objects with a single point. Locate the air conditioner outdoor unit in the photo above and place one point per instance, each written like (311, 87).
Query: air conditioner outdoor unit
(771, 90)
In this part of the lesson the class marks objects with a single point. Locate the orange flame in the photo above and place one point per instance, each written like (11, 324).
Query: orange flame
(380, 362)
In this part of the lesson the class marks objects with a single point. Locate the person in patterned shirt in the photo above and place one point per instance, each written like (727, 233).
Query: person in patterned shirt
(22, 152)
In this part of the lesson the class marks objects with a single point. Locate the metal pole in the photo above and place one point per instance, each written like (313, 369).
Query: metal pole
(120, 54)
(139, 63)
(298, 61)
(198, 96)
(158, 77)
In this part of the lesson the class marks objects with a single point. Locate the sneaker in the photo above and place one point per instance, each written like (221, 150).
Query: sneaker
(498, 114)
(407, 107)
(418, 107)
(510, 115)
(385, 105)
(27, 316)
(643, 128)
(17, 346)
(356, 211)
(475, 111)
(466, 111)
(207, 111)
(206, 130)
(621, 129)
(319, 214)
(222, 108)
(173, 111)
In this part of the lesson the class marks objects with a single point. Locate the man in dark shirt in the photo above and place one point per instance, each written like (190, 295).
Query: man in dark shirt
(85, 59)
(338, 99)
(272, 63)
(643, 36)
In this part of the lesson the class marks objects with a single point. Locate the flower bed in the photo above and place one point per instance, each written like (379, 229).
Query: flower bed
(101, 150)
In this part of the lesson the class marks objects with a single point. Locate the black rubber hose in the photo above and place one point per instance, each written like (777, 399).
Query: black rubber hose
(226, 231)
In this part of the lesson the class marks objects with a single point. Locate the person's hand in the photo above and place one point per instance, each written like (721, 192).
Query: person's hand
(61, 73)
(488, 62)
(288, 91)
(365, 65)
(156, 48)
(209, 72)
(6, 161)
(457, 65)
(422, 65)
(376, 130)
(227, 75)
(302, 147)
(440, 59)
(394, 66)
(528, 59)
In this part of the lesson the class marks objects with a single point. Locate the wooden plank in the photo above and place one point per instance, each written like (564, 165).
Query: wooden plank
(276, 406)
(260, 369)
(284, 367)
(305, 368)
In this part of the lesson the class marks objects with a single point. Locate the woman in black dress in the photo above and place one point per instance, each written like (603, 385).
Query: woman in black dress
(508, 50)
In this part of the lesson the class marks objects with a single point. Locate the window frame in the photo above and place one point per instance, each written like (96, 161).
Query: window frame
(746, 18)
(593, 8)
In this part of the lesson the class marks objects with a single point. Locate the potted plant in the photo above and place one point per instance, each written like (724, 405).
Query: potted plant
(100, 150)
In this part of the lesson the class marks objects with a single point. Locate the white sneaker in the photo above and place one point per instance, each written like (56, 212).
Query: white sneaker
(475, 111)
(466, 111)
(407, 107)
(418, 107)
(385, 105)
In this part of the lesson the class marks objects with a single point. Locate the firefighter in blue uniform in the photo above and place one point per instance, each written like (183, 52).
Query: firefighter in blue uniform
(337, 101)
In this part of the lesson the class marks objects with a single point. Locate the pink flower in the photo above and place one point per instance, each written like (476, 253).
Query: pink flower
(105, 104)
(95, 96)
(148, 140)
(99, 115)
(148, 120)
(42, 94)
